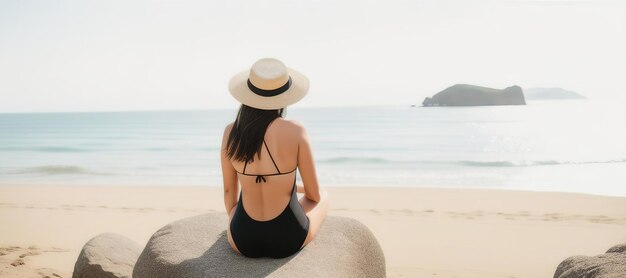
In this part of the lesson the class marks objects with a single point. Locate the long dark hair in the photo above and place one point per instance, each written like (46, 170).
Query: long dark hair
(246, 136)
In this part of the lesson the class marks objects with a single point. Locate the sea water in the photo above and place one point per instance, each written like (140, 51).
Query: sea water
(570, 145)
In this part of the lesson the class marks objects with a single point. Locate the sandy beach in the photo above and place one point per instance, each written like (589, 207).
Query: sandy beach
(424, 232)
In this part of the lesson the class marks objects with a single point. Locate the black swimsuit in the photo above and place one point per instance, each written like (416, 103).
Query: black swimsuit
(280, 237)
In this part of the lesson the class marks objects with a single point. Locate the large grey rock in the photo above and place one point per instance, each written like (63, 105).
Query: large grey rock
(107, 255)
(612, 264)
(472, 95)
(198, 247)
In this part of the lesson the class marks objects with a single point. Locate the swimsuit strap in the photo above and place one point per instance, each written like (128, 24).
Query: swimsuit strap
(274, 174)
(272, 158)
(268, 151)
(261, 178)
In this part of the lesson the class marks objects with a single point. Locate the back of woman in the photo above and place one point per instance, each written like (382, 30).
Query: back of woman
(262, 152)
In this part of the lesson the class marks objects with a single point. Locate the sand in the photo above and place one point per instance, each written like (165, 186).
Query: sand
(424, 232)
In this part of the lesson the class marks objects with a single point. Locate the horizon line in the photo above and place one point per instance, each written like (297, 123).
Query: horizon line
(200, 109)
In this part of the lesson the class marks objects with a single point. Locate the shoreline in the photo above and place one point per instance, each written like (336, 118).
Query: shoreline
(423, 231)
(344, 185)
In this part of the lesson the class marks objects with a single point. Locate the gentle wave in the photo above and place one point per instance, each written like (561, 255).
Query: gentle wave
(84, 150)
(54, 170)
(526, 163)
(163, 149)
(348, 160)
(44, 149)
(469, 163)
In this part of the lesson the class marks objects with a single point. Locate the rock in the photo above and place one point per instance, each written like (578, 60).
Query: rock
(471, 95)
(612, 264)
(198, 247)
(620, 248)
(551, 94)
(107, 255)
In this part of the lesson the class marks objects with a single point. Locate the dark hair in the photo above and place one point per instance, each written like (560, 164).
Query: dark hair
(248, 132)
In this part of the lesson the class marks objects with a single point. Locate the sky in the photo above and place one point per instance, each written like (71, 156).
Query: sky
(151, 55)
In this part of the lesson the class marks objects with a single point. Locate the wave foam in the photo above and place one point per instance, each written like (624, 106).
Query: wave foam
(469, 163)
(54, 170)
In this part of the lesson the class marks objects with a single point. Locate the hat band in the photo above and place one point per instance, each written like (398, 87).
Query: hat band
(269, 93)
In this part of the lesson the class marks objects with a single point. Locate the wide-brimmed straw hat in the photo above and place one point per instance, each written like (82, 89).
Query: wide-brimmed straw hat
(269, 84)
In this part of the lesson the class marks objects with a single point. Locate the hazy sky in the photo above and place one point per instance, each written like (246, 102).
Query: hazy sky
(125, 55)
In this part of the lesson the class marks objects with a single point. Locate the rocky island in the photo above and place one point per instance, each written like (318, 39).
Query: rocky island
(472, 95)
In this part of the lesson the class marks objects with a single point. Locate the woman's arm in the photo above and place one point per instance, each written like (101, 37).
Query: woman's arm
(307, 167)
(299, 188)
(231, 186)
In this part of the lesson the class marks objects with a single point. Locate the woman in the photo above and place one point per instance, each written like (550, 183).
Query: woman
(262, 151)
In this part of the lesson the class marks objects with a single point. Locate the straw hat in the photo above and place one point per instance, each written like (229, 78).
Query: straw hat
(269, 84)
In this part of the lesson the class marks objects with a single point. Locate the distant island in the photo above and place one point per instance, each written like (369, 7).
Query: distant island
(551, 94)
(472, 95)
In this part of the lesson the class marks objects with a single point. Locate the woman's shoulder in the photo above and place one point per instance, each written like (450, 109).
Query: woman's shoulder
(293, 125)
(229, 127)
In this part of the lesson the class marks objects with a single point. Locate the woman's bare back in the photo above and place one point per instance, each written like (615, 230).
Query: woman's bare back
(265, 201)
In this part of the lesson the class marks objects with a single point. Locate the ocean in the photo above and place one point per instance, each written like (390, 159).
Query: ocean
(568, 145)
